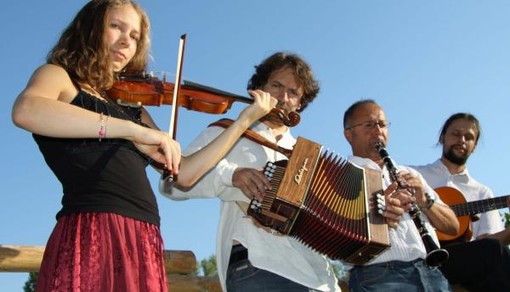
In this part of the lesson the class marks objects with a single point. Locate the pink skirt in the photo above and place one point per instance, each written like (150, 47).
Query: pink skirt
(103, 252)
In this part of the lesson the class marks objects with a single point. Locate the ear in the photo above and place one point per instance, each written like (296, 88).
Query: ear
(348, 135)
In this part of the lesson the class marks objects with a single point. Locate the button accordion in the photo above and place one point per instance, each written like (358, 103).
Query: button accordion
(325, 202)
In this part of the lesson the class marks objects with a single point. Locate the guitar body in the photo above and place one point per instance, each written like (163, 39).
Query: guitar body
(452, 196)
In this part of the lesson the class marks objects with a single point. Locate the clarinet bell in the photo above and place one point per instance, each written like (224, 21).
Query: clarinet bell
(437, 257)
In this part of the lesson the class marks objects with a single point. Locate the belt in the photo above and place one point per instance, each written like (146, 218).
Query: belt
(238, 253)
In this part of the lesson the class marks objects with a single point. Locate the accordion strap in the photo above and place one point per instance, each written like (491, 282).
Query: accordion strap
(257, 138)
(254, 136)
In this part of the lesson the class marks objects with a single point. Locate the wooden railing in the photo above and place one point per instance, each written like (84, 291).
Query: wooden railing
(180, 266)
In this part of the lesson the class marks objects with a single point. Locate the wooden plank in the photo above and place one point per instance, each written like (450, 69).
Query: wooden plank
(22, 258)
(190, 283)
(180, 266)
(16, 258)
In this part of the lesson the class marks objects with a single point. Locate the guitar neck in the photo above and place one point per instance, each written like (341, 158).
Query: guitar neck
(475, 207)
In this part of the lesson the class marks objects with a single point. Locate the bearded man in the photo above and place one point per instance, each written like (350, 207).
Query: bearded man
(480, 262)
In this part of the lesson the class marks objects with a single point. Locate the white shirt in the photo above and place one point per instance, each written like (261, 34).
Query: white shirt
(282, 255)
(438, 175)
(405, 240)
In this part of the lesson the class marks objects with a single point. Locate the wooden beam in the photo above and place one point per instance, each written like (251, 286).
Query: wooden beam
(189, 283)
(180, 266)
(21, 258)
(16, 258)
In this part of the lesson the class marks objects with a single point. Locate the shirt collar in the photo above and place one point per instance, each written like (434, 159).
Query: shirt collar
(286, 141)
(462, 176)
(360, 161)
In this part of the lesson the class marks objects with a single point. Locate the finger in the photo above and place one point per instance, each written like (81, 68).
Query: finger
(255, 195)
(256, 96)
(391, 189)
(267, 100)
(393, 208)
(404, 196)
(260, 191)
(389, 216)
(393, 213)
(262, 104)
(263, 182)
(172, 152)
(259, 97)
(255, 93)
(392, 223)
(393, 202)
(259, 196)
(176, 158)
(251, 190)
(272, 101)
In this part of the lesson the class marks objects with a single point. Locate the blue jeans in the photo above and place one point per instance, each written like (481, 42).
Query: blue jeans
(414, 276)
(242, 276)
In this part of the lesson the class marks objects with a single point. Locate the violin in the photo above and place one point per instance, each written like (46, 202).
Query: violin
(145, 89)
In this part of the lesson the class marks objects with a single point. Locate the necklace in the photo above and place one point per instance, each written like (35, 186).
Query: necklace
(101, 93)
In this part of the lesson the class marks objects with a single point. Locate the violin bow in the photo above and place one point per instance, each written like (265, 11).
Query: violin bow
(172, 129)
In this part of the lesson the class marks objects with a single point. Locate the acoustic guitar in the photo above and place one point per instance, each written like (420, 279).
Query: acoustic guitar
(463, 210)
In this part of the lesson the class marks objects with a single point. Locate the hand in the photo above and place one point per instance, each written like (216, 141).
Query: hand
(414, 184)
(252, 182)
(393, 211)
(262, 105)
(405, 197)
(160, 147)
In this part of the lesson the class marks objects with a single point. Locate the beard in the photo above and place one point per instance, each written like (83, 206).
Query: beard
(455, 159)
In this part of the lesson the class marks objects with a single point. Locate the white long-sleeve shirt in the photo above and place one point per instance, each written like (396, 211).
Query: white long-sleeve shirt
(278, 254)
(406, 242)
(437, 175)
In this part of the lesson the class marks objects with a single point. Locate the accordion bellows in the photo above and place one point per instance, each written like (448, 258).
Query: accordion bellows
(326, 202)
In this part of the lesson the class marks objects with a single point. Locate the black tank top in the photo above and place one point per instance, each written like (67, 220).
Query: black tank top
(101, 176)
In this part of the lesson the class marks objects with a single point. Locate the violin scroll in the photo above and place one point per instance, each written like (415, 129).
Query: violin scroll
(291, 119)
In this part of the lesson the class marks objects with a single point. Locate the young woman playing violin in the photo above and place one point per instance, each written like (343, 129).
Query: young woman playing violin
(107, 235)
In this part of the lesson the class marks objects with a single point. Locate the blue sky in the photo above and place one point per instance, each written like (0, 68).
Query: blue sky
(421, 60)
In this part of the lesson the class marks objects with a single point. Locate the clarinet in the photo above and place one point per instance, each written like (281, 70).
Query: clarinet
(435, 256)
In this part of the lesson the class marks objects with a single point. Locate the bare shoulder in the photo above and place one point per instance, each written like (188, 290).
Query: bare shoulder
(48, 73)
(51, 81)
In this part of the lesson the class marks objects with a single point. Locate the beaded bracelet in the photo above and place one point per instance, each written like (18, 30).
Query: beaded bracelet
(102, 126)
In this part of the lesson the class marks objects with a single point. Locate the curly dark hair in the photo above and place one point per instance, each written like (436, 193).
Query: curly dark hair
(301, 69)
(82, 52)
